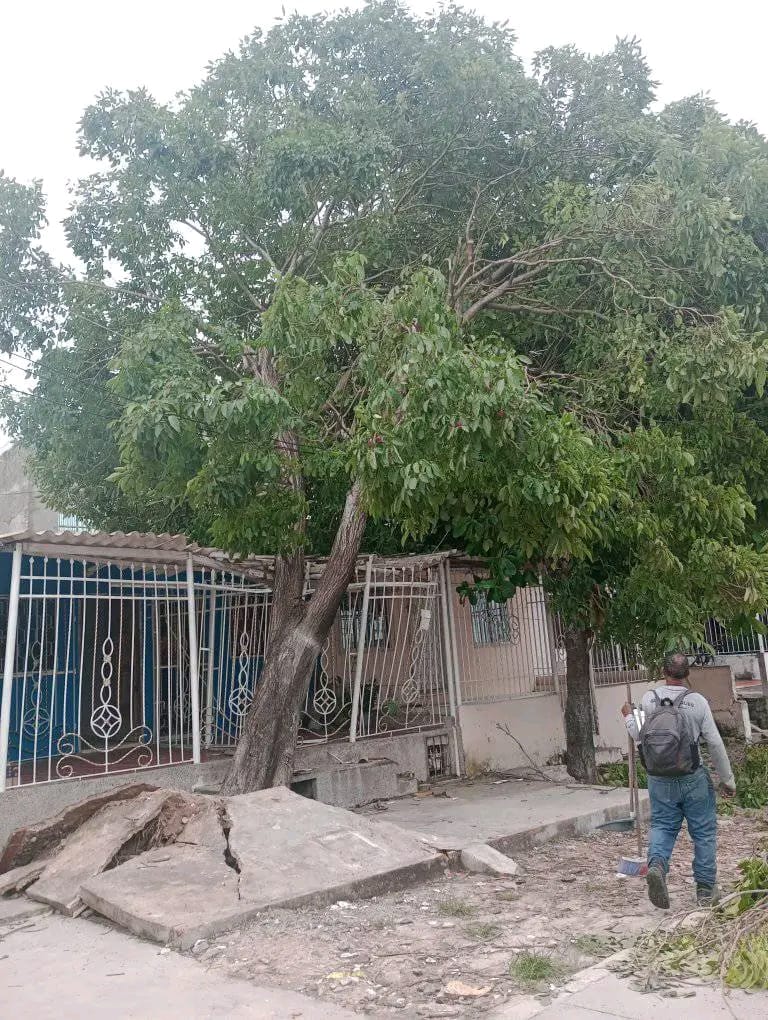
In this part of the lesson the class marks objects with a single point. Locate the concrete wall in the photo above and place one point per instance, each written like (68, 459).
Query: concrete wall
(407, 750)
(536, 721)
(613, 732)
(20, 505)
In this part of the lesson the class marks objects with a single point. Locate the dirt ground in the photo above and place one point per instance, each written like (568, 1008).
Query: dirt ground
(461, 945)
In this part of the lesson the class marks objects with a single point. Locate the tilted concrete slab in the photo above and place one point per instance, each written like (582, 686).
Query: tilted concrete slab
(289, 850)
(98, 842)
(17, 880)
(33, 842)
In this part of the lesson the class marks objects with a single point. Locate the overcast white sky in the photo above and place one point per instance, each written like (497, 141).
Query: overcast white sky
(56, 55)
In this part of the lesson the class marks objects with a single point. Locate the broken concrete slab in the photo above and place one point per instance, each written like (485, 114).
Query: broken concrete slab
(485, 860)
(32, 842)
(99, 843)
(177, 895)
(18, 879)
(272, 848)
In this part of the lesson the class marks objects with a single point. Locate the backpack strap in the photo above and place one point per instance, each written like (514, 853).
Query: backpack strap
(656, 698)
(680, 697)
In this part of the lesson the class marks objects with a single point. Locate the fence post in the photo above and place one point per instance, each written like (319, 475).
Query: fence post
(360, 651)
(452, 632)
(209, 666)
(10, 658)
(447, 654)
(194, 676)
(445, 598)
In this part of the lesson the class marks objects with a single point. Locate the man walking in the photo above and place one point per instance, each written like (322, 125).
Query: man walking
(679, 786)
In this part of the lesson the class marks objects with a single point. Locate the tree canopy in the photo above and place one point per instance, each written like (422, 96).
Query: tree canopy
(521, 313)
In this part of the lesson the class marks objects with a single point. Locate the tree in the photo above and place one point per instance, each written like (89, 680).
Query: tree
(369, 270)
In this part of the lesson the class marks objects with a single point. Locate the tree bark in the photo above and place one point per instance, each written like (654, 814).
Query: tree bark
(298, 630)
(579, 739)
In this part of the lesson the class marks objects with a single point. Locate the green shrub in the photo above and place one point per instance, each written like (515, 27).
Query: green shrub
(617, 774)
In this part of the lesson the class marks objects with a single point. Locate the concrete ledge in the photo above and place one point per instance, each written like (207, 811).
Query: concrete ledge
(565, 828)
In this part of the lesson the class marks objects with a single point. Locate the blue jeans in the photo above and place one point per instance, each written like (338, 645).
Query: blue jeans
(691, 798)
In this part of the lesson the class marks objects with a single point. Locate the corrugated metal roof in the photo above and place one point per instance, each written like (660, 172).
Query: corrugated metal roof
(135, 546)
(105, 540)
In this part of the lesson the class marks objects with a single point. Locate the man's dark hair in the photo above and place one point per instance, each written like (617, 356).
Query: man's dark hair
(676, 665)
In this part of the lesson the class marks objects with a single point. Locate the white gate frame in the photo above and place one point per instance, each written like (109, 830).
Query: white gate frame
(10, 655)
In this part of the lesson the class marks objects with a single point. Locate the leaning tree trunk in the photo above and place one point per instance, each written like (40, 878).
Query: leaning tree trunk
(579, 738)
(298, 630)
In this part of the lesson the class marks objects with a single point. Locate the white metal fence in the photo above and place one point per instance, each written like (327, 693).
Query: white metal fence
(111, 666)
(101, 665)
(515, 649)
(383, 668)
(506, 650)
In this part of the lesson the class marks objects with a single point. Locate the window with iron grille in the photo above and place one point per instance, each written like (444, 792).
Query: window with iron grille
(35, 635)
(491, 623)
(68, 522)
(377, 625)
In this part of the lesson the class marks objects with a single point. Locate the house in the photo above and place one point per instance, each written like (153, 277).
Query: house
(21, 508)
(130, 654)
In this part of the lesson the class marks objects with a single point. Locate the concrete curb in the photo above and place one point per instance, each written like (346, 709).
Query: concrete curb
(566, 828)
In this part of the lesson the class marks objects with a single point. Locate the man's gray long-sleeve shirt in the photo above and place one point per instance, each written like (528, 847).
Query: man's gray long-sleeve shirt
(702, 725)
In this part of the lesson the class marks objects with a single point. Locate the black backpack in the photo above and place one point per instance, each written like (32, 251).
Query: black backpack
(667, 744)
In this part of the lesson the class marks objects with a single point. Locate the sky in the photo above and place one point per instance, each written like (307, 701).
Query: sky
(57, 55)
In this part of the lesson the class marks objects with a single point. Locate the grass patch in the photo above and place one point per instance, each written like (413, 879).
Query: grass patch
(456, 908)
(617, 774)
(508, 895)
(535, 968)
(752, 777)
(482, 932)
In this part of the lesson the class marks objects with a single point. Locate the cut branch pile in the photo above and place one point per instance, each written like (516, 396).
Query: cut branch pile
(728, 943)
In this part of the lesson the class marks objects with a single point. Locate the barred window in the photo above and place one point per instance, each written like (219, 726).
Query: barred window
(491, 624)
(377, 625)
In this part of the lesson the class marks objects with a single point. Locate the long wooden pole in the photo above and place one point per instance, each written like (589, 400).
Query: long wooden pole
(634, 793)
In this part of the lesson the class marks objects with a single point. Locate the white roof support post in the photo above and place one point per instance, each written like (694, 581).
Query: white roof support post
(10, 659)
(194, 677)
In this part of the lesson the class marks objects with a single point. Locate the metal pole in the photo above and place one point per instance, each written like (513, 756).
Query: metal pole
(194, 678)
(210, 662)
(452, 631)
(10, 658)
(449, 664)
(447, 640)
(360, 651)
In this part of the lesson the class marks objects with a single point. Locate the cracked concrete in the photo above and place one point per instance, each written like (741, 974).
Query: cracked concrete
(241, 855)
(118, 831)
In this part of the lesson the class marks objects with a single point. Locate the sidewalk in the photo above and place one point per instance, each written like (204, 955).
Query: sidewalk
(54, 967)
(512, 815)
(599, 994)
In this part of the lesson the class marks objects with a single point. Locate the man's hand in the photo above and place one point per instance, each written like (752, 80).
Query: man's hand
(727, 791)
(626, 709)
